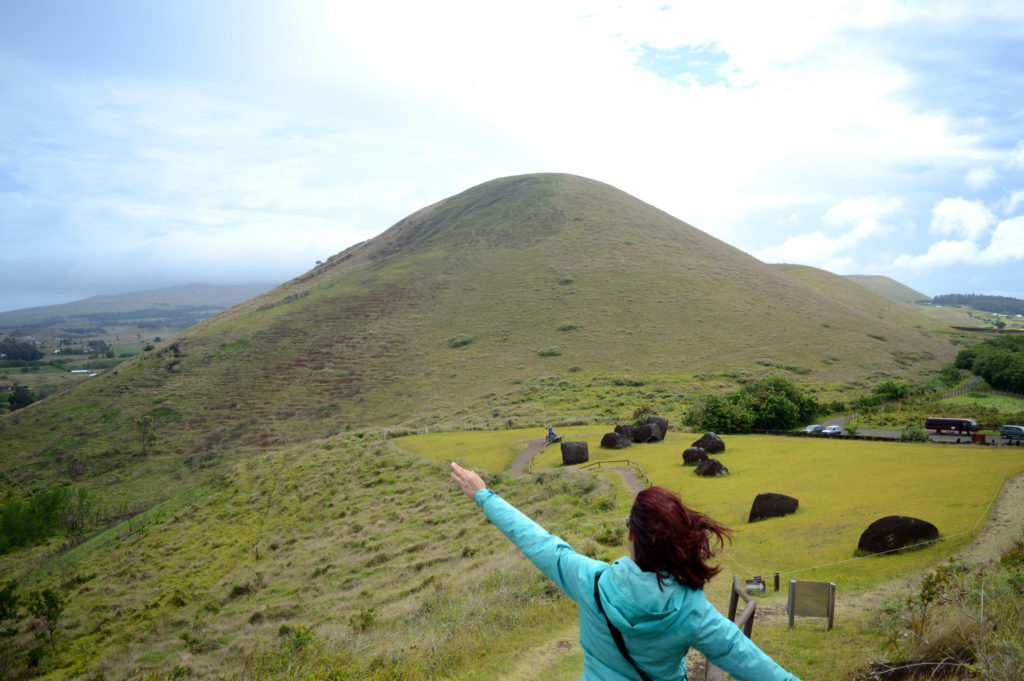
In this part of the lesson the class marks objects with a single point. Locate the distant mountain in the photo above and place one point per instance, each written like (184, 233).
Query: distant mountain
(538, 295)
(171, 303)
(890, 288)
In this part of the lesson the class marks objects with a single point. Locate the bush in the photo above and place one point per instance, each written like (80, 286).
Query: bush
(460, 340)
(549, 352)
(772, 403)
(912, 433)
(640, 414)
(968, 614)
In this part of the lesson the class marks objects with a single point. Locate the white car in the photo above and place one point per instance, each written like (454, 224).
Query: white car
(812, 429)
(832, 430)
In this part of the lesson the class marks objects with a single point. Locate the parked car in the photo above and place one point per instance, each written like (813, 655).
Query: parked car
(816, 428)
(832, 430)
(1013, 432)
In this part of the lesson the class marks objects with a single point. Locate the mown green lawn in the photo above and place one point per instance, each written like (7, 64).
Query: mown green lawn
(842, 486)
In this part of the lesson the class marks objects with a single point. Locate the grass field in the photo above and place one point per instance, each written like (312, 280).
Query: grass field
(842, 487)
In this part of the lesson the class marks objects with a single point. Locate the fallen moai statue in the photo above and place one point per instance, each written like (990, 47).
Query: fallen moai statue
(575, 452)
(616, 441)
(895, 532)
(710, 468)
(692, 456)
(710, 443)
(772, 505)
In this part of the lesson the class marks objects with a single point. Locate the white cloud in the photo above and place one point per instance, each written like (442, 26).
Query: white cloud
(1007, 242)
(1016, 157)
(979, 178)
(1013, 201)
(850, 223)
(959, 217)
(941, 254)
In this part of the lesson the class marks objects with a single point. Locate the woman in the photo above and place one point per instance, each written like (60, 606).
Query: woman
(654, 598)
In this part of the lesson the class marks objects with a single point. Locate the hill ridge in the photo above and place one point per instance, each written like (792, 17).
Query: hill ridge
(567, 295)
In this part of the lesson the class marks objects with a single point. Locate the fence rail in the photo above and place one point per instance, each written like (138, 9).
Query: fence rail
(631, 464)
(744, 621)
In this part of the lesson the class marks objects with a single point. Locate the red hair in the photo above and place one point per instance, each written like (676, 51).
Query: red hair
(672, 540)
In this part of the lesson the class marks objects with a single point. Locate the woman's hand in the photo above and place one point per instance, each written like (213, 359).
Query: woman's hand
(468, 480)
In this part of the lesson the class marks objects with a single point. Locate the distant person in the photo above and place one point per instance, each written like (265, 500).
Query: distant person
(654, 598)
(551, 435)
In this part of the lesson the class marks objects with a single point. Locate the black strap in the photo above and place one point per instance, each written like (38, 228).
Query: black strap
(616, 634)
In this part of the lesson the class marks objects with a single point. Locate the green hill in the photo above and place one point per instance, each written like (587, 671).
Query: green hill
(528, 297)
(890, 288)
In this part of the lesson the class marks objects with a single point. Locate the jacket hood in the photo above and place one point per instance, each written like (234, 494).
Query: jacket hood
(636, 604)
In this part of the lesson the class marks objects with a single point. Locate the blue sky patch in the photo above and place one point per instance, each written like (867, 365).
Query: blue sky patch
(698, 65)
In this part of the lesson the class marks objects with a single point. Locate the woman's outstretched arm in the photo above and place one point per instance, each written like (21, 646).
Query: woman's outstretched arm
(469, 482)
(572, 572)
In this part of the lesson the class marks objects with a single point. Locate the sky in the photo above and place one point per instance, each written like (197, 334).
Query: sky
(146, 144)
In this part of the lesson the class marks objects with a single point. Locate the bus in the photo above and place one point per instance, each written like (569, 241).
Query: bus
(952, 425)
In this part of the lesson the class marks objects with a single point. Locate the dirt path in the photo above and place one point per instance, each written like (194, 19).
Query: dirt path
(522, 462)
(535, 447)
(1005, 525)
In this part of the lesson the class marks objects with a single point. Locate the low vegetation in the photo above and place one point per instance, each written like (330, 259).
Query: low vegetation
(772, 403)
(966, 618)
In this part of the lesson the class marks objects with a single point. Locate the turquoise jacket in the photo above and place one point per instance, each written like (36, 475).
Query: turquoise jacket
(658, 625)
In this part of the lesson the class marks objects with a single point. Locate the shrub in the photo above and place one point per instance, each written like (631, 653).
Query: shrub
(971, 615)
(364, 619)
(772, 403)
(549, 352)
(460, 340)
(640, 414)
(912, 433)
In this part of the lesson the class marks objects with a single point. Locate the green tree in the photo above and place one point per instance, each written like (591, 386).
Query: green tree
(949, 375)
(20, 397)
(773, 403)
(11, 348)
(892, 390)
(47, 606)
(9, 617)
(75, 516)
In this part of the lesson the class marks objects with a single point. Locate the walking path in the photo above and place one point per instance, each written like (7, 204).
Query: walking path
(535, 447)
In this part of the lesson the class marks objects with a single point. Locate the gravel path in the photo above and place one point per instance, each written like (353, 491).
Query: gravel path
(522, 462)
(1005, 525)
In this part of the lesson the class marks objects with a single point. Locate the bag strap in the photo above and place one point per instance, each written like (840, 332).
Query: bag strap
(616, 634)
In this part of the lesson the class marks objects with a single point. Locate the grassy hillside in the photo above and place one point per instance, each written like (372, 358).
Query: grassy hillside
(343, 542)
(486, 306)
(352, 559)
(890, 288)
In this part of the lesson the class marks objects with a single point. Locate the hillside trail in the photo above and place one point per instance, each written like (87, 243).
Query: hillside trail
(535, 447)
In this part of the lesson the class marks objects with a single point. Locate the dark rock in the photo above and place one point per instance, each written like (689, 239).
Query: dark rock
(771, 505)
(662, 424)
(709, 468)
(710, 443)
(615, 441)
(693, 456)
(626, 430)
(575, 452)
(645, 433)
(896, 532)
